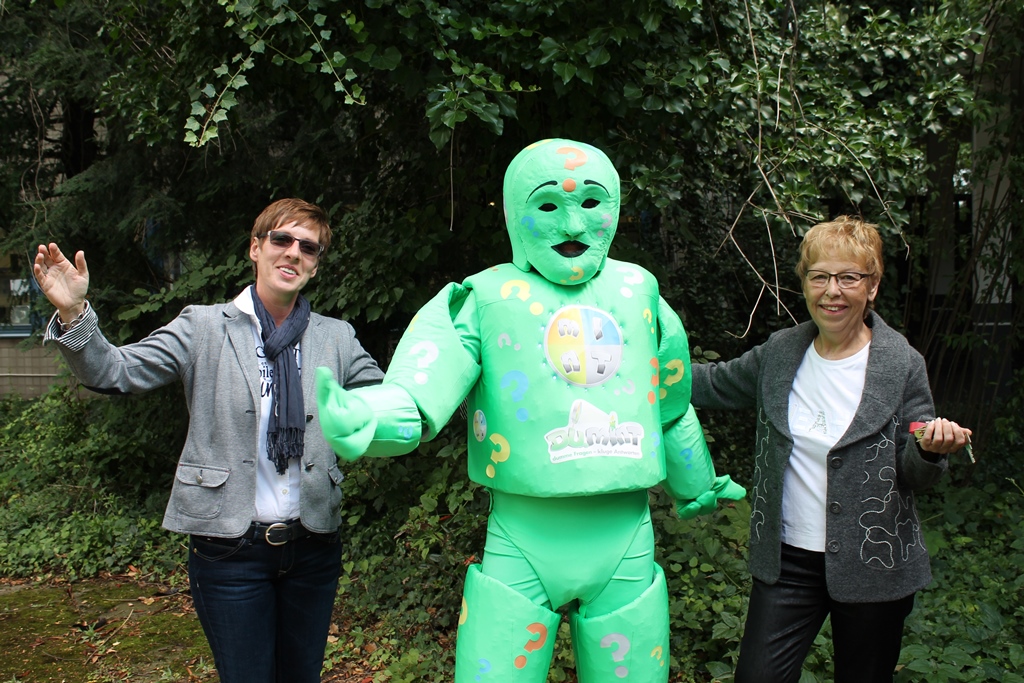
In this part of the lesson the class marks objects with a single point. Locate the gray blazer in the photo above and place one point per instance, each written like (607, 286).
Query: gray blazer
(211, 350)
(875, 549)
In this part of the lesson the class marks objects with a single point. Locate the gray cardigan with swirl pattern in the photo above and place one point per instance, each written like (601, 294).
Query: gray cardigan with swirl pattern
(875, 549)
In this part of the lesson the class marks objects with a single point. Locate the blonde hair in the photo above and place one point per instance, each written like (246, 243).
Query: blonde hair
(845, 236)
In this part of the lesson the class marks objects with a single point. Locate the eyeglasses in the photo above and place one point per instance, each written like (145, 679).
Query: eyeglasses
(283, 240)
(819, 279)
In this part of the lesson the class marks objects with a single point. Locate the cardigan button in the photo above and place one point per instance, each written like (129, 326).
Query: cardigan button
(833, 546)
(835, 508)
(836, 463)
(199, 479)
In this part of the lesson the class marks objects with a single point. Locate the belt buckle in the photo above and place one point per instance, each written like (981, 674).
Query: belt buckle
(274, 527)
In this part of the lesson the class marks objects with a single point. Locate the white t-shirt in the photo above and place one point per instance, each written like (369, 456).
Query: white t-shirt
(822, 403)
(277, 495)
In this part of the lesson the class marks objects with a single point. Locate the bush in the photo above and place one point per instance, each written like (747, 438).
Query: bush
(85, 483)
(969, 625)
(84, 487)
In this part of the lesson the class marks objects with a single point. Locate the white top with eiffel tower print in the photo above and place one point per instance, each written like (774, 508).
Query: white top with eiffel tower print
(822, 402)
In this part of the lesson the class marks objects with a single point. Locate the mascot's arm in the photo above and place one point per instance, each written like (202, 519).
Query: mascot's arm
(433, 369)
(690, 475)
(673, 365)
(379, 420)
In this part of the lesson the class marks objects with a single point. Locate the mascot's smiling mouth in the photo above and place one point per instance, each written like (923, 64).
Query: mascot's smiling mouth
(571, 249)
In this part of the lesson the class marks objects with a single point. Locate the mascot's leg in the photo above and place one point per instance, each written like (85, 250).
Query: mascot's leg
(503, 635)
(628, 644)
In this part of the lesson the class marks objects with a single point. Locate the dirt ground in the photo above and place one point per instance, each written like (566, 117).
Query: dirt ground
(119, 628)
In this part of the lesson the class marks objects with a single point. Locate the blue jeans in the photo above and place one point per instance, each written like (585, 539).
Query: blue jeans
(265, 609)
(784, 619)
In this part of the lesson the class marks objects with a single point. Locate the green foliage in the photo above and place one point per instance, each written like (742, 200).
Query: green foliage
(970, 625)
(708, 582)
(735, 125)
(44, 534)
(1009, 434)
(413, 524)
(84, 486)
(150, 134)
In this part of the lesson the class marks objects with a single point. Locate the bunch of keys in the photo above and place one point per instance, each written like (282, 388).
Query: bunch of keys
(917, 429)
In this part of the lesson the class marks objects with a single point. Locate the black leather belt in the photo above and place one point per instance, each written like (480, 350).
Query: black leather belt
(277, 533)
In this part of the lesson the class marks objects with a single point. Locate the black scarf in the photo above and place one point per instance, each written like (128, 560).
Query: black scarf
(286, 429)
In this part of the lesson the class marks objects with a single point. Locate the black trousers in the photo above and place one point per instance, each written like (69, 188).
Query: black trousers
(785, 617)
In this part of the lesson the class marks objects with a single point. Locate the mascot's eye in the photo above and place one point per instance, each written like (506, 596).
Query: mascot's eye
(549, 207)
(590, 203)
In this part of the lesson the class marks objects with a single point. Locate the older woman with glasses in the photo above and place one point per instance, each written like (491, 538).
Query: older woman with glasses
(834, 529)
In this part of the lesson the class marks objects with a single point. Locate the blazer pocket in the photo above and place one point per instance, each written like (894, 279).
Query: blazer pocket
(199, 489)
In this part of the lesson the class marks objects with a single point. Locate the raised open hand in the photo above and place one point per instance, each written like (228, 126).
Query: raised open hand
(64, 283)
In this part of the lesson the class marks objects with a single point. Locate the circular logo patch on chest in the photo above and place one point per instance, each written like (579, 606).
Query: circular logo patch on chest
(583, 345)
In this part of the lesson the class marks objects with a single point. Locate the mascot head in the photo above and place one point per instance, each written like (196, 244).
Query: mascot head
(561, 209)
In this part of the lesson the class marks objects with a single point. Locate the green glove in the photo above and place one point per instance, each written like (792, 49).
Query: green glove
(347, 422)
(706, 503)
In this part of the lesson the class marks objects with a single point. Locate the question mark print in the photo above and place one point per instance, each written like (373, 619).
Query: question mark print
(622, 647)
(576, 157)
(633, 278)
(630, 390)
(464, 612)
(522, 293)
(500, 455)
(577, 273)
(519, 379)
(521, 287)
(656, 438)
(656, 653)
(534, 644)
(503, 337)
(687, 455)
(528, 222)
(485, 666)
(649, 317)
(430, 353)
(678, 370)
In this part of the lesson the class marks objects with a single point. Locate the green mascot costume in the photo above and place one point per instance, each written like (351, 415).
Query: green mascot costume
(577, 375)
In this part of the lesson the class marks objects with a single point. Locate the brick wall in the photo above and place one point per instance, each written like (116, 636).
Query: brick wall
(27, 372)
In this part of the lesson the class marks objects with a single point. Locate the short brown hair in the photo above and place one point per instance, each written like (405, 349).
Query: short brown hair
(844, 236)
(287, 210)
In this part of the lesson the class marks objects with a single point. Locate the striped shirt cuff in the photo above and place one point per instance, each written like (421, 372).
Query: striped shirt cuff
(77, 337)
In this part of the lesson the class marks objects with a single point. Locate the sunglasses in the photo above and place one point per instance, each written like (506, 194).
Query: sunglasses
(283, 240)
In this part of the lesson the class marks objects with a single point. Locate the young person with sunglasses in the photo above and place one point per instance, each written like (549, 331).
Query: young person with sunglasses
(833, 526)
(257, 488)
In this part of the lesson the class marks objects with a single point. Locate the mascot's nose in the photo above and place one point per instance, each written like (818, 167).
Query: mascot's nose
(575, 227)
